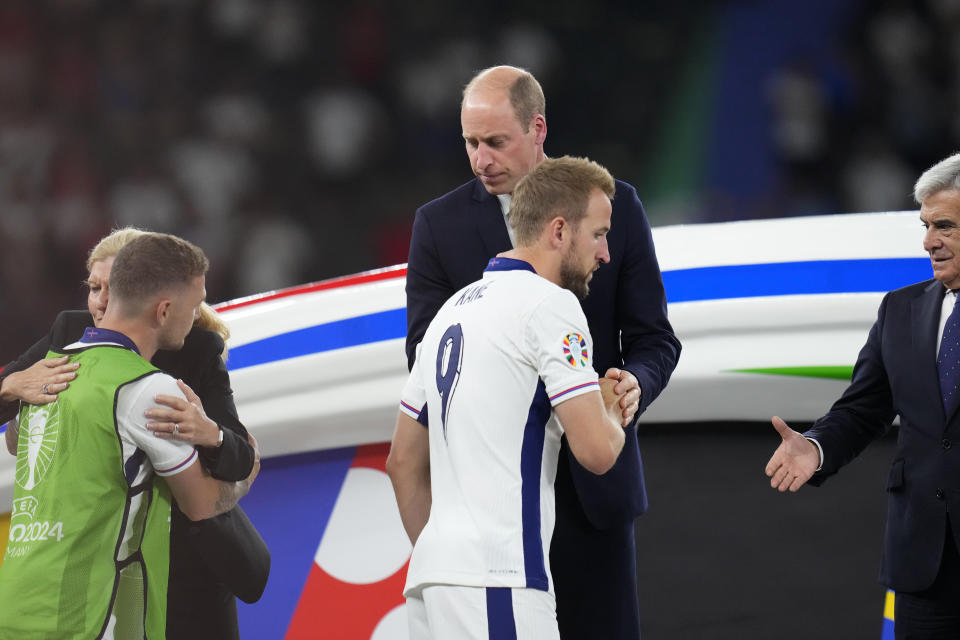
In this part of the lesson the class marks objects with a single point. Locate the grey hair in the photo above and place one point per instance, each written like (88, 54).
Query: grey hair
(940, 177)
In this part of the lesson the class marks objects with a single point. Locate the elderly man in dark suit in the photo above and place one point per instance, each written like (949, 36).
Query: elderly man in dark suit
(910, 366)
(593, 553)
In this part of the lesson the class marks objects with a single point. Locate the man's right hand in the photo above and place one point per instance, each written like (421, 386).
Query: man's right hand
(794, 461)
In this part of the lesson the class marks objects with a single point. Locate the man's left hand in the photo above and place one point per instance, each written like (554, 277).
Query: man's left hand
(629, 389)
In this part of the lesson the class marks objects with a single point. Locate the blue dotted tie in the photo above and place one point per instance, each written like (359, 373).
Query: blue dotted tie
(948, 360)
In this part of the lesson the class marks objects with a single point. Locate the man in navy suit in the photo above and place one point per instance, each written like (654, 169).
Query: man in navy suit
(910, 366)
(593, 554)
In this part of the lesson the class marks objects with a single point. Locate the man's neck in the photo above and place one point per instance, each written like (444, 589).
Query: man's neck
(545, 264)
(144, 338)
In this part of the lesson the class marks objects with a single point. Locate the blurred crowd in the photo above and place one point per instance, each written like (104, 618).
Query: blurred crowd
(294, 139)
(291, 139)
(855, 129)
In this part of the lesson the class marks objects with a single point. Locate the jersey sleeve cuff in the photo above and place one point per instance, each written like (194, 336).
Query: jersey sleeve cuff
(170, 471)
(573, 391)
(411, 411)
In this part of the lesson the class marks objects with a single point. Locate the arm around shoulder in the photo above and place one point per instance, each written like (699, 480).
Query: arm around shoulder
(232, 460)
(22, 380)
(201, 496)
(201, 368)
(9, 395)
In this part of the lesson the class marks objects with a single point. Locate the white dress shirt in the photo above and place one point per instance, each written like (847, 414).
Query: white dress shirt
(505, 199)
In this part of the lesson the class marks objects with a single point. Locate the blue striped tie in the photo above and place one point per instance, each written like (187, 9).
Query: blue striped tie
(948, 360)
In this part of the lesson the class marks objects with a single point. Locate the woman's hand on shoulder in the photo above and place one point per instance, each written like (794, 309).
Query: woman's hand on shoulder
(183, 420)
(40, 382)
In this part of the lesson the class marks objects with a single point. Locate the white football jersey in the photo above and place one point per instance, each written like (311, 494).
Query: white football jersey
(498, 356)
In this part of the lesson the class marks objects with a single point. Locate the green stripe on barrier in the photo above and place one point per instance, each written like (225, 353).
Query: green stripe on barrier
(827, 372)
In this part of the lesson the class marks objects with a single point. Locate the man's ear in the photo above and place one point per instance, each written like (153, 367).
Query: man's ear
(555, 232)
(559, 232)
(539, 125)
(162, 311)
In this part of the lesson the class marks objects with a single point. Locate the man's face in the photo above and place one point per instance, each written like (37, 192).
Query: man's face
(588, 246)
(183, 311)
(940, 214)
(500, 151)
(98, 284)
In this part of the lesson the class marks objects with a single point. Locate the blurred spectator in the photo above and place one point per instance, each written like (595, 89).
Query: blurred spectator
(293, 139)
(144, 198)
(800, 128)
(876, 179)
(274, 253)
(282, 35)
(346, 129)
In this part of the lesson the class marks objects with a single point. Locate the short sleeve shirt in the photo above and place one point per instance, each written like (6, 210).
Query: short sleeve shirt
(499, 355)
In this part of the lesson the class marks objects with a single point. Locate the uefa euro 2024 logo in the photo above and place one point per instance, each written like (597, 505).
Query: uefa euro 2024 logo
(575, 350)
(39, 429)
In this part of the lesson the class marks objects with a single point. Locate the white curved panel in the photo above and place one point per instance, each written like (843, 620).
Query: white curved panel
(322, 365)
(830, 237)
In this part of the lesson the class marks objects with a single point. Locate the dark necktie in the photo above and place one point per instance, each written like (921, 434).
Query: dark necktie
(948, 360)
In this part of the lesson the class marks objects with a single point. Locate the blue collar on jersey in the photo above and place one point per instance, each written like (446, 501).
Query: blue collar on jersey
(508, 264)
(93, 334)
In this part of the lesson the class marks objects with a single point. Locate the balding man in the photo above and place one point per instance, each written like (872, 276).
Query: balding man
(593, 555)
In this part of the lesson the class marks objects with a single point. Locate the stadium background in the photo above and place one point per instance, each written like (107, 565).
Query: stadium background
(294, 139)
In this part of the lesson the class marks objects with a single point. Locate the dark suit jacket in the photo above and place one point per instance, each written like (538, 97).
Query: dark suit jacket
(896, 374)
(592, 554)
(211, 560)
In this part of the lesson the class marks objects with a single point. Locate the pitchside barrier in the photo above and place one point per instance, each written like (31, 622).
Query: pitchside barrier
(771, 315)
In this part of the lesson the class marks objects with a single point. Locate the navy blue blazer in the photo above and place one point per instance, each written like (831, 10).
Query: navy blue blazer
(896, 374)
(592, 556)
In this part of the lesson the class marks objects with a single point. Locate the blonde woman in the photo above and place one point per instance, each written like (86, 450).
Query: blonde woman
(211, 561)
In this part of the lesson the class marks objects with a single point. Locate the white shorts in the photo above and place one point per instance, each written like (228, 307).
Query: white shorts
(441, 612)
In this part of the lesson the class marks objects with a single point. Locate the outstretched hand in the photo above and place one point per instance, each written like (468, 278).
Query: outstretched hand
(794, 461)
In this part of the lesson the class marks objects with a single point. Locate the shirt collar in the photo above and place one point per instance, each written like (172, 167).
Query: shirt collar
(508, 264)
(505, 200)
(99, 336)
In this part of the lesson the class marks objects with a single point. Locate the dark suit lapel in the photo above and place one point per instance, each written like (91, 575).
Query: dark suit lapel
(925, 315)
(488, 216)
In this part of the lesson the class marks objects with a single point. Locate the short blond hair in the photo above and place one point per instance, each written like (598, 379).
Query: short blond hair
(556, 187)
(111, 244)
(152, 263)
